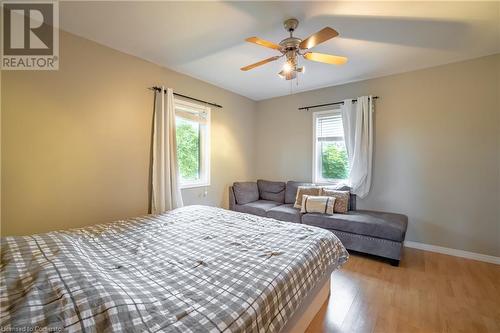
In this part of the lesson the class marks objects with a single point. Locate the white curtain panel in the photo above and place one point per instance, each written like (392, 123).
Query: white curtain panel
(166, 193)
(357, 119)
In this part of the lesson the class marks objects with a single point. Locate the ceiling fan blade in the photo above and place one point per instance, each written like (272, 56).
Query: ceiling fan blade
(326, 58)
(321, 36)
(262, 42)
(265, 61)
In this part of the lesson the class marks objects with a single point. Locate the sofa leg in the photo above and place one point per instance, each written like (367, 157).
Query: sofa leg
(394, 262)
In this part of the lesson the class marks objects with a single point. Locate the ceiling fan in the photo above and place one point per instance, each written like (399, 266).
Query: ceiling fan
(293, 47)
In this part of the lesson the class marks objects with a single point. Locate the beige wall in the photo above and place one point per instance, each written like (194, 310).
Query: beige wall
(75, 142)
(498, 149)
(437, 157)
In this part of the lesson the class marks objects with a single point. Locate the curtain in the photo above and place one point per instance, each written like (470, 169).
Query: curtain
(357, 119)
(165, 180)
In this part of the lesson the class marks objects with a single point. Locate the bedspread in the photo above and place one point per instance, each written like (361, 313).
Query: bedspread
(193, 269)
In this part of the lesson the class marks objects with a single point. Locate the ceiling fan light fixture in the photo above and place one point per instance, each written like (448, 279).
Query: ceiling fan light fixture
(287, 68)
(287, 75)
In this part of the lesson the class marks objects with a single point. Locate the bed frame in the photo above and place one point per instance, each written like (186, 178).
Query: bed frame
(309, 307)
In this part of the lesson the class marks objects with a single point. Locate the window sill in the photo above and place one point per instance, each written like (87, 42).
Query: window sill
(330, 183)
(186, 186)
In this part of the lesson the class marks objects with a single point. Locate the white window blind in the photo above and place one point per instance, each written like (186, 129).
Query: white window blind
(191, 112)
(329, 128)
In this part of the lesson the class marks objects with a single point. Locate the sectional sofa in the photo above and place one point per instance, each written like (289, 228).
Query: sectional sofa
(372, 232)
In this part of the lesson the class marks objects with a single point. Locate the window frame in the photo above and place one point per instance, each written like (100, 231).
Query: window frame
(205, 156)
(316, 158)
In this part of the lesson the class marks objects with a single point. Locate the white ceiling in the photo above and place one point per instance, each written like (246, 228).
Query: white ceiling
(206, 39)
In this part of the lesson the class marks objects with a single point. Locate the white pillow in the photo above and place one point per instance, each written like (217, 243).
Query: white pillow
(317, 204)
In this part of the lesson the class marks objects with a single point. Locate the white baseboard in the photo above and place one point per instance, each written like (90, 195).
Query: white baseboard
(453, 252)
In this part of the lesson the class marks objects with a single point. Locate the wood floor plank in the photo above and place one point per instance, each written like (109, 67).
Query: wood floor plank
(428, 292)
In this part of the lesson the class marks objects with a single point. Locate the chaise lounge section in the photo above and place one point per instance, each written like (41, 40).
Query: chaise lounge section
(376, 233)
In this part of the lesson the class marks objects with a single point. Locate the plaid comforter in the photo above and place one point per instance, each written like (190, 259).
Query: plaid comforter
(194, 269)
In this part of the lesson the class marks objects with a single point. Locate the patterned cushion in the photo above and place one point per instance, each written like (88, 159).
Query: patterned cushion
(291, 190)
(342, 199)
(317, 204)
(309, 190)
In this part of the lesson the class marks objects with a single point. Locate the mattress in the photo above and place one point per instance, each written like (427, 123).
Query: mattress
(193, 269)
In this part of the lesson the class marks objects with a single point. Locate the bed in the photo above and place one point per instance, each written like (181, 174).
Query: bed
(193, 269)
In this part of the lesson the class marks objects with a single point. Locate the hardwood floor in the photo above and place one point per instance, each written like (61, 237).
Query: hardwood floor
(428, 292)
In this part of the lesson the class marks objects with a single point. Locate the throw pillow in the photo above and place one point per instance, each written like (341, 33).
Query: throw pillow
(317, 204)
(309, 190)
(291, 190)
(341, 199)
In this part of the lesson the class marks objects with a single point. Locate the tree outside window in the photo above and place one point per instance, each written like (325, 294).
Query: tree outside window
(188, 149)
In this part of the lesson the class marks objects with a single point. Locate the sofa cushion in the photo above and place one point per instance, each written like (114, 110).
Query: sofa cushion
(291, 190)
(274, 191)
(369, 223)
(259, 207)
(285, 212)
(245, 192)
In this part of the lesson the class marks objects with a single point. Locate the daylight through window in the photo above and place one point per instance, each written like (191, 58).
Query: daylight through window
(330, 163)
(193, 143)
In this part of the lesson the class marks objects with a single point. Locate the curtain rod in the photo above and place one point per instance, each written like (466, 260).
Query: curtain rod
(188, 97)
(328, 104)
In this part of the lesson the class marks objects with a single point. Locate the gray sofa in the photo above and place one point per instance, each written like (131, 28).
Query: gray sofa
(376, 233)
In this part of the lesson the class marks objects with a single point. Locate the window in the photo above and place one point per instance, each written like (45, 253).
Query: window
(330, 162)
(193, 143)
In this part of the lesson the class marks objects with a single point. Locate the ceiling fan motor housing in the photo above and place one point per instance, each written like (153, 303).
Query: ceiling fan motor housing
(290, 43)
